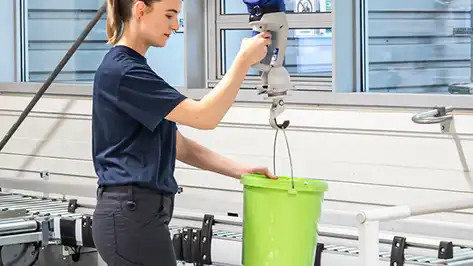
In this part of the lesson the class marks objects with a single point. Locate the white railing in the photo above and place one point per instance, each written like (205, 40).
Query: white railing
(369, 222)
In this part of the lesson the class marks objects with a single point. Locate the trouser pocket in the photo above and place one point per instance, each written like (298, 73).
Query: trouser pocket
(104, 234)
(131, 229)
(143, 239)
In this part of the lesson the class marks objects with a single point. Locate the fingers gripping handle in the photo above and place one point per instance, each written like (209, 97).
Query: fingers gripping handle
(276, 23)
(262, 66)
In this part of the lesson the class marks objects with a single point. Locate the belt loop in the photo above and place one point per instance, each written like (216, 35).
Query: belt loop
(162, 201)
(131, 193)
(171, 211)
(99, 192)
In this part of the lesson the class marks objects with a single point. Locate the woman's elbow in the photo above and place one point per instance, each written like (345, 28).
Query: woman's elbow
(194, 115)
(207, 120)
(209, 125)
(199, 122)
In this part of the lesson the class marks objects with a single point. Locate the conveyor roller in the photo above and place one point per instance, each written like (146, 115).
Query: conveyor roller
(15, 227)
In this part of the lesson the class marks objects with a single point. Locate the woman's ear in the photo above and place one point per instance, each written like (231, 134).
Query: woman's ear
(139, 9)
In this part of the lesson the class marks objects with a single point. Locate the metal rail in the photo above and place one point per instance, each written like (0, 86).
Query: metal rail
(400, 212)
(369, 222)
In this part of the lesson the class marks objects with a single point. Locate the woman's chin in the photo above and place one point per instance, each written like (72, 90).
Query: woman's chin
(160, 43)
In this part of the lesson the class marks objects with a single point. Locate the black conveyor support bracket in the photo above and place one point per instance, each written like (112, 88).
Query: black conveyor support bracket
(193, 245)
(398, 248)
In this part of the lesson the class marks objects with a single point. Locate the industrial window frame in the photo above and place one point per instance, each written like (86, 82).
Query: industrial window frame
(201, 66)
(194, 50)
(348, 75)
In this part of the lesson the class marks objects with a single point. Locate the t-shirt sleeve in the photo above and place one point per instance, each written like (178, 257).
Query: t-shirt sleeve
(146, 97)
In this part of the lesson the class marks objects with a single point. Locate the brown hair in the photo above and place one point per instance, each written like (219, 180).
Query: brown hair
(118, 12)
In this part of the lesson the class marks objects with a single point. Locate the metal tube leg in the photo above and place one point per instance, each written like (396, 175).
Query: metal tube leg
(368, 243)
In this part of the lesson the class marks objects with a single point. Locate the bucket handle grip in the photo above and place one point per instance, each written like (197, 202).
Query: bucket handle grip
(288, 152)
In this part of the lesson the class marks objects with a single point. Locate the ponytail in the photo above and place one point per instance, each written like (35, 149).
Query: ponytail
(118, 12)
(114, 21)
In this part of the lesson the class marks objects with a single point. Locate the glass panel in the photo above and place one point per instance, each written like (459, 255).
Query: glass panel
(419, 46)
(7, 45)
(299, 6)
(308, 52)
(53, 26)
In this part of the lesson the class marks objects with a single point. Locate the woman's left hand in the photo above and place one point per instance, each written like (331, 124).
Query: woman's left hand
(260, 171)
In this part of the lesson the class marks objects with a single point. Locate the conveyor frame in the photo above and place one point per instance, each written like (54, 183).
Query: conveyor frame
(42, 220)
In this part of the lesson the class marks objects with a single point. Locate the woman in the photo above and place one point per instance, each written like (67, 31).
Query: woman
(135, 138)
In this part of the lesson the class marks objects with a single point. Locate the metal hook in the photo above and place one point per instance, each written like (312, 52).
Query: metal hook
(277, 108)
(437, 115)
(274, 124)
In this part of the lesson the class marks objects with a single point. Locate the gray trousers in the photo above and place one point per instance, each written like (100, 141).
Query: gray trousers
(130, 227)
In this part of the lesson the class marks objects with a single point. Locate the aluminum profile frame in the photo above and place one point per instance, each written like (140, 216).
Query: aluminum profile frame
(299, 98)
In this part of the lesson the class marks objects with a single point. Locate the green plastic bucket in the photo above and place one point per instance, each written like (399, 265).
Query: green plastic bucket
(280, 224)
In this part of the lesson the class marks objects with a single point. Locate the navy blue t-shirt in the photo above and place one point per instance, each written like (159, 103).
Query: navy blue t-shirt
(132, 142)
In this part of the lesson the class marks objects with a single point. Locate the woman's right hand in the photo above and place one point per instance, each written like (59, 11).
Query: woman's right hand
(254, 49)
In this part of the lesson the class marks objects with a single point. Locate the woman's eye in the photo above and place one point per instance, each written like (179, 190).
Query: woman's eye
(169, 16)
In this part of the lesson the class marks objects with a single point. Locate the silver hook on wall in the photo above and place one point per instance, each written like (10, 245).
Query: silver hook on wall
(437, 115)
(441, 115)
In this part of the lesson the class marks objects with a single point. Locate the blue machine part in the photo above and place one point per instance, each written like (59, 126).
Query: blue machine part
(275, 54)
(251, 4)
(264, 6)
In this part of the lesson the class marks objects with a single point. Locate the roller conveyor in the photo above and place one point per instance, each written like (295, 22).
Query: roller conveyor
(31, 220)
(49, 222)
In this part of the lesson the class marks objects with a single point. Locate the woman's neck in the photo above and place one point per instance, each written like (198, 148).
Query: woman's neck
(133, 41)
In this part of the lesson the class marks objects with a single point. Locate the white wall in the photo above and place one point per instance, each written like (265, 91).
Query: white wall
(369, 157)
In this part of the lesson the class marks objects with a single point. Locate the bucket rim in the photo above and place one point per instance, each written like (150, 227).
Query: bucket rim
(284, 183)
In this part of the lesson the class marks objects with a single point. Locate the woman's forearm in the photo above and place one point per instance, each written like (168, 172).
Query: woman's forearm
(210, 110)
(218, 101)
(203, 158)
(207, 112)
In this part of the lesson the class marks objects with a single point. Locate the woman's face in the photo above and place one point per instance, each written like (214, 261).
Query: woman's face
(158, 21)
